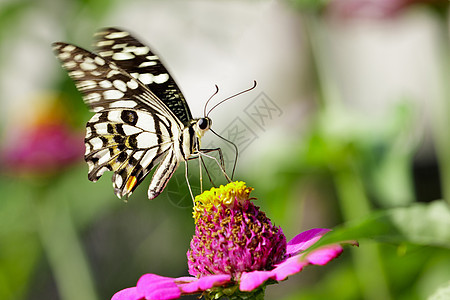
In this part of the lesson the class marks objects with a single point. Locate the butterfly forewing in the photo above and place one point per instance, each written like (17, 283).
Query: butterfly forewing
(132, 130)
(141, 63)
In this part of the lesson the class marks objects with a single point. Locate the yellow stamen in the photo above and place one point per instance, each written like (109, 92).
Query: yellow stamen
(223, 195)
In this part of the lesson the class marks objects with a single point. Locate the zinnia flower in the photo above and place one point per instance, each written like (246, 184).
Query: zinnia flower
(377, 8)
(236, 251)
(44, 142)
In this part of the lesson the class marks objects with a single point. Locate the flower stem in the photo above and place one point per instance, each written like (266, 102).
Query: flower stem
(354, 204)
(328, 94)
(353, 200)
(368, 264)
(255, 295)
(233, 293)
(441, 111)
(62, 247)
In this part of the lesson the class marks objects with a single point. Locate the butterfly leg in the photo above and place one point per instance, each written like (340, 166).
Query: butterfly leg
(205, 167)
(187, 180)
(207, 172)
(203, 152)
(201, 174)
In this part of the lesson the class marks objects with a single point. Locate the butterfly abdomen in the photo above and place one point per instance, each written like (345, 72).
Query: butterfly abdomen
(185, 144)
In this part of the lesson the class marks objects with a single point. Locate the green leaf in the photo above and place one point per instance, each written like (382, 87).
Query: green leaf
(442, 293)
(420, 223)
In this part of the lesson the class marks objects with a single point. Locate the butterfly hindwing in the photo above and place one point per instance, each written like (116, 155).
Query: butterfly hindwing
(130, 150)
(132, 130)
(162, 174)
(140, 62)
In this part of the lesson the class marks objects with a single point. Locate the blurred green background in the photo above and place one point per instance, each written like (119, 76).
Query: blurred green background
(347, 129)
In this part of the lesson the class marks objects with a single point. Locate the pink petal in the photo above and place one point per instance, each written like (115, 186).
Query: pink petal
(185, 279)
(204, 283)
(323, 255)
(304, 240)
(157, 287)
(290, 266)
(128, 294)
(251, 280)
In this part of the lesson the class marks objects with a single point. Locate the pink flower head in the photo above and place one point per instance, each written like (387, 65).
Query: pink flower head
(44, 149)
(377, 9)
(236, 250)
(42, 143)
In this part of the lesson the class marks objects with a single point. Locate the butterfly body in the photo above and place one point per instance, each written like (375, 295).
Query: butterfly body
(141, 118)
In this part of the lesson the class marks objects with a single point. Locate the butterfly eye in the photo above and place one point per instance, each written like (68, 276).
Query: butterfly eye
(203, 123)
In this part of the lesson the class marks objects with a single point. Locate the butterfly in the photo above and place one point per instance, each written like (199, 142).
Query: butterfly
(141, 119)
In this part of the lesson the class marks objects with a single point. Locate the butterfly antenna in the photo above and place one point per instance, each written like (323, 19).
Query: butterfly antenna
(206, 104)
(235, 148)
(228, 98)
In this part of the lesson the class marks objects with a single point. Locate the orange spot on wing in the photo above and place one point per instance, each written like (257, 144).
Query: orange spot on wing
(131, 183)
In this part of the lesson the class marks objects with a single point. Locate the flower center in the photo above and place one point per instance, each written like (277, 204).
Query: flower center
(232, 235)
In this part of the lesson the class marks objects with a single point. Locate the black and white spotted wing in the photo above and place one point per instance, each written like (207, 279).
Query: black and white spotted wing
(140, 62)
(132, 130)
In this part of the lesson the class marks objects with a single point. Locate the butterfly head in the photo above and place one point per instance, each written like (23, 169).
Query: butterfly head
(202, 125)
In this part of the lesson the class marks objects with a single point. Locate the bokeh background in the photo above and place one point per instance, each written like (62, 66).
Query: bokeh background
(346, 129)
